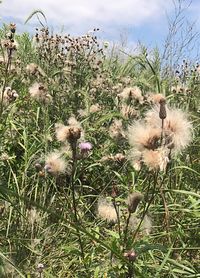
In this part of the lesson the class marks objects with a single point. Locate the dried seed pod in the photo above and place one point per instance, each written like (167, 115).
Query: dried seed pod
(133, 201)
(162, 112)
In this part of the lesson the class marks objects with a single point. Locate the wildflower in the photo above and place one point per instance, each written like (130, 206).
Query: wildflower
(85, 147)
(95, 108)
(116, 129)
(178, 89)
(31, 68)
(137, 94)
(130, 255)
(162, 112)
(126, 80)
(62, 132)
(131, 93)
(142, 136)
(4, 157)
(177, 129)
(106, 210)
(71, 132)
(39, 92)
(38, 166)
(128, 111)
(12, 27)
(155, 98)
(8, 96)
(117, 88)
(135, 157)
(137, 165)
(119, 157)
(133, 201)
(156, 159)
(55, 164)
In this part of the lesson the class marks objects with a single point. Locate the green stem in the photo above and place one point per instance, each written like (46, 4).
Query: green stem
(126, 230)
(118, 218)
(74, 163)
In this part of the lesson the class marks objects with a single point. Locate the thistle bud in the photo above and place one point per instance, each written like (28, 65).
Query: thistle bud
(130, 255)
(162, 112)
(133, 201)
(74, 134)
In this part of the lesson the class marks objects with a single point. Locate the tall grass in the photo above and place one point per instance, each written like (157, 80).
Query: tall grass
(78, 222)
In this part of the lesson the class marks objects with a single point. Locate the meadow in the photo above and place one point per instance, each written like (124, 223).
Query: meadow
(99, 159)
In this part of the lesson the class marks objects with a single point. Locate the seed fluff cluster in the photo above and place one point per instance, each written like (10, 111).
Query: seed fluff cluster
(163, 133)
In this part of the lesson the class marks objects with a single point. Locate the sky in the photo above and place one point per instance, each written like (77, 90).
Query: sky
(127, 21)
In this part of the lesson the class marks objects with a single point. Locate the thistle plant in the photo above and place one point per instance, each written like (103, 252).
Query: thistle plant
(98, 160)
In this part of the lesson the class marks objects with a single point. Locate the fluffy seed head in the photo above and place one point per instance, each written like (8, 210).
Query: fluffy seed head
(131, 93)
(106, 210)
(39, 92)
(147, 225)
(142, 136)
(116, 129)
(55, 164)
(69, 133)
(133, 201)
(62, 132)
(95, 108)
(177, 128)
(156, 159)
(155, 98)
(127, 111)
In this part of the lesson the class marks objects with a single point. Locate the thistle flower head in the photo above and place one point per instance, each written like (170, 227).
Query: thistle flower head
(31, 69)
(151, 159)
(8, 96)
(133, 201)
(177, 129)
(39, 92)
(155, 98)
(70, 133)
(85, 147)
(130, 255)
(55, 164)
(142, 136)
(95, 108)
(162, 112)
(40, 267)
(116, 129)
(127, 111)
(131, 93)
(106, 210)
(62, 132)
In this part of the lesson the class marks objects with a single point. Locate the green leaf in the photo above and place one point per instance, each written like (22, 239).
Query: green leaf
(36, 12)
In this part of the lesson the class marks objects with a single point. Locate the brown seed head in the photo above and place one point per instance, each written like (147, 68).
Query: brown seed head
(133, 201)
(162, 112)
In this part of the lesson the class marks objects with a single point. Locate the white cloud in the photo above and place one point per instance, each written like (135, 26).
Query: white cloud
(82, 15)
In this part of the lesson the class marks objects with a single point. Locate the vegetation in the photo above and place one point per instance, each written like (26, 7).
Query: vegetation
(99, 160)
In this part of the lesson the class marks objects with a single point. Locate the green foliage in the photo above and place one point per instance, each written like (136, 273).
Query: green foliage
(53, 218)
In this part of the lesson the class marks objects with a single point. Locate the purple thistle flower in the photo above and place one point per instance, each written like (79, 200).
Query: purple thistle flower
(85, 147)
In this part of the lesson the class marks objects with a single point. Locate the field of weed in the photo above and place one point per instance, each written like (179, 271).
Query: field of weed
(99, 160)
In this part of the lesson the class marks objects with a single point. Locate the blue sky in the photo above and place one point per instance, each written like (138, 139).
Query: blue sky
(131, 20)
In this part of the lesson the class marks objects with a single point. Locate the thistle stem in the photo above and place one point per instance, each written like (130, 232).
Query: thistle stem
(74, 163)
